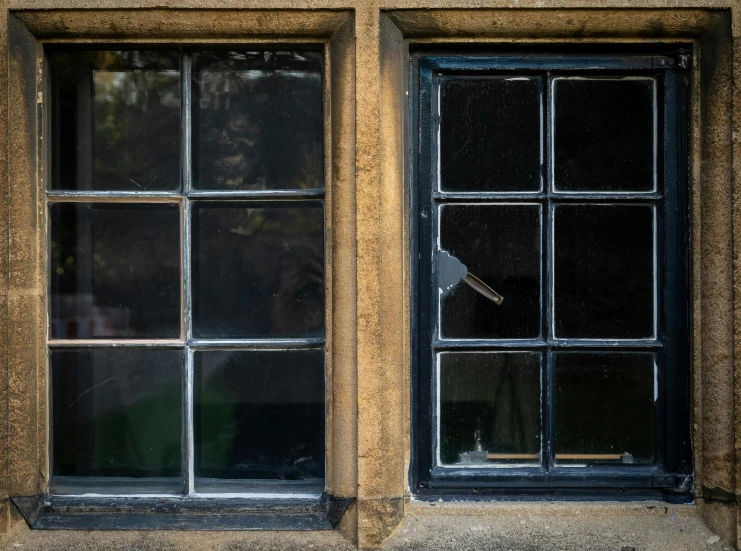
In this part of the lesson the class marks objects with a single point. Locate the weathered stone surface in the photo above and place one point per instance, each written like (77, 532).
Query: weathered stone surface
(368, 322)
(26, 329)
(557, 526)
(716, 293)
(646, 526)
(736, 134)
(342, 426)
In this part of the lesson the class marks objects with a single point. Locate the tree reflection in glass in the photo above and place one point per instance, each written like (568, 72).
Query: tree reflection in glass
(258, 120)
(116, 123)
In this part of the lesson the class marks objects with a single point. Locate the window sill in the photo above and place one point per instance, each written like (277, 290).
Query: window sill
(517, 526)
(79, 513)
(561, 483)
(556, 526)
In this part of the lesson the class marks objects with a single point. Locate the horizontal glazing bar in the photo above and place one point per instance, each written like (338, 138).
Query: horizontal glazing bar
(626, 476)
(125, 196)
(555, 196)
(481, 343)
(237, 502)
(555, 344)
(113, 197)
(111, 343)
(612, 344)
(603, 196)
(235, 495)
(563, 472)
(176, 343)
(450, 64)
(257, 343)
(475, 195)
(258, 194)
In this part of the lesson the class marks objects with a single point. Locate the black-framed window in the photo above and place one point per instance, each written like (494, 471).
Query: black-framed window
(186, 273)
(549, 208)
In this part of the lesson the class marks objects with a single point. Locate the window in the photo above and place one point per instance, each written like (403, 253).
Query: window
(371, 170)
(186, 254)
(552, 277)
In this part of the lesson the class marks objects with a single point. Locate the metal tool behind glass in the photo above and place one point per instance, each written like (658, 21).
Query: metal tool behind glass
(451, 271)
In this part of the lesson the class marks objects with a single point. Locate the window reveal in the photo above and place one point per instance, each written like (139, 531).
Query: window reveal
(186, 249)
(557, 182)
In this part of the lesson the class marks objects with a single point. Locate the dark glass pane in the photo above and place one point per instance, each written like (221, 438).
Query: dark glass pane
(116, 120)
(492, 399)
(604, 271)
(604, 134)
(115, 270)
(258, 269)
(117, 413)
(258, 120)
(605, 408)
(499, 244)
(259, 414)
(490, 134)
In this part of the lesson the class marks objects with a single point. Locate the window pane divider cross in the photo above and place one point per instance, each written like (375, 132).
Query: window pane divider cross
(432, 479)
(187, 342)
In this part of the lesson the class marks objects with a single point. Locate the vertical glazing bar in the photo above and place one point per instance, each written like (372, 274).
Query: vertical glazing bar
(190, 451)
(547, 393)
(187, 180)
(549, 430)
(548, 404)
(544, 294)
(548, 260)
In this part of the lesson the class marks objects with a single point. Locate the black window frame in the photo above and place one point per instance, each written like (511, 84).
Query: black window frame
(670, 477)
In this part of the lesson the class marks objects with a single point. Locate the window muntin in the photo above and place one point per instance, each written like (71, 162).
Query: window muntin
(147, 249)
(616, 225)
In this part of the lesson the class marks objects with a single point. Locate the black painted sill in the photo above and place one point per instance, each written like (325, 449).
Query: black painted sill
(45, 512)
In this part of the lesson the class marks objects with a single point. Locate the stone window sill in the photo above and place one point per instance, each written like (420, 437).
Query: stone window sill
(514, 526)
(556, 526)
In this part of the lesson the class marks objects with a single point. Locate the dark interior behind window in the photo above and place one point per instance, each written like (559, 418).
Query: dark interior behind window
(558, 184)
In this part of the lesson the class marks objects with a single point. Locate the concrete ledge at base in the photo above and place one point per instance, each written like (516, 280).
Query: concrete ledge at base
(502, 526)
(567, 526)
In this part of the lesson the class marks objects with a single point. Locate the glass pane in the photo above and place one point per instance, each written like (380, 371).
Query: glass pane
(259, 414)
(489, 407)
(605, 408)
(116, 120)
(258, 269)
(490, 134)
(258, 120)
(604, 134)
(500, 245)
(604, 271)
(115, 270)
(117, 413)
